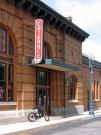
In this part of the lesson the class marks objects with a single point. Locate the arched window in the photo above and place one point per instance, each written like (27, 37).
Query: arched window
(6, 66)
(95, 86)
(72, 87)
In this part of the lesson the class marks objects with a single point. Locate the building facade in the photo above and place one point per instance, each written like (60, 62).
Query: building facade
(60, 81)
(96, 83)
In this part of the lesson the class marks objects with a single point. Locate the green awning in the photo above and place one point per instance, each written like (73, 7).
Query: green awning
(56, 65)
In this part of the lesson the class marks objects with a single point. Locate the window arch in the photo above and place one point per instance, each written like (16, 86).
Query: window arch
(6, 66)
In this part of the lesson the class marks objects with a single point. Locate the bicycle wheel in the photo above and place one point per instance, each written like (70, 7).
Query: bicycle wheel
(46, 117)
(31, 117)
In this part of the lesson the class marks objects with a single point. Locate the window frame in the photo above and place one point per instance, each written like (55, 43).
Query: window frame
(95, 86)
(8, 59)
(73, 87)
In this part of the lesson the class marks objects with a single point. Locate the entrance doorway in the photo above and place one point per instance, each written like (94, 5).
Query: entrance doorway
(43, 89)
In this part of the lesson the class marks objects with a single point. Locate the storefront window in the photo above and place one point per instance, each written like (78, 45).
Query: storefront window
(6, 66)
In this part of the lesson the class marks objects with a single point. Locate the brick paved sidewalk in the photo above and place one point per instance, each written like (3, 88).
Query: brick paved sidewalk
(15, 124)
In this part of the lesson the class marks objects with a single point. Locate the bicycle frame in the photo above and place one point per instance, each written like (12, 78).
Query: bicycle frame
(38, 113)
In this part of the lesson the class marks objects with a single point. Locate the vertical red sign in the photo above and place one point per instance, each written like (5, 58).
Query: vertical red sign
(38, 40)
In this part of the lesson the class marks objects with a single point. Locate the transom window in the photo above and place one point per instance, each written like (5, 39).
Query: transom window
(6, 66)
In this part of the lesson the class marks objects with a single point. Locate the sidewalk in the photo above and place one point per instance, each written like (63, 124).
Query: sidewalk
(15, 124)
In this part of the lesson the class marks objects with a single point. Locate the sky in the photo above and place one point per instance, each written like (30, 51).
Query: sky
(86, 14)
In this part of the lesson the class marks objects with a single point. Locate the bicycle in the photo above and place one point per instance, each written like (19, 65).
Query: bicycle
(37, 114)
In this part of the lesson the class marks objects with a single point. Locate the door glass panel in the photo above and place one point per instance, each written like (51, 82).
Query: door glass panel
(42, 97)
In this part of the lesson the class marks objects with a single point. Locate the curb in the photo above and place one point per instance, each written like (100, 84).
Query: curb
(18, 127)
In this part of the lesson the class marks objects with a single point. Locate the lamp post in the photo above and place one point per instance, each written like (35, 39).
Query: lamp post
(91, 106)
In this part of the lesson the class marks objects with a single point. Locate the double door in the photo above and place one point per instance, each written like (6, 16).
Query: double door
(43, 89)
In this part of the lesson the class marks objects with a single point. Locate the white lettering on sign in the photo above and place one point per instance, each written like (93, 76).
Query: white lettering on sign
(38, 40)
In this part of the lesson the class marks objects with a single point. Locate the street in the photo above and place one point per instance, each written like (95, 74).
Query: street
(84, 127)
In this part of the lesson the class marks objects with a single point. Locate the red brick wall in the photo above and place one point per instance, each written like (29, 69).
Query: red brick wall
(86, 86)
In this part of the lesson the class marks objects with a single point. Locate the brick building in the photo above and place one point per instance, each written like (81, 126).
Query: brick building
(96, 83)
(60, 81)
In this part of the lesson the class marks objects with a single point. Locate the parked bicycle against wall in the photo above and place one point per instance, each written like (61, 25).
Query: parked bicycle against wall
(38, 113)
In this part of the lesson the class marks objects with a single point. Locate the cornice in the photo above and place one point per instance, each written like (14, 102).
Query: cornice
(85, 60)
(38, 9)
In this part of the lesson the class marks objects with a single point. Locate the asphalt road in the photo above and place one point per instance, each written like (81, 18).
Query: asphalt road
(84, 127)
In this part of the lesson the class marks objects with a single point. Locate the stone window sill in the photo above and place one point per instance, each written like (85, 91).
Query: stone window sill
(7, 103)
(96, 100)
(73, 101)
